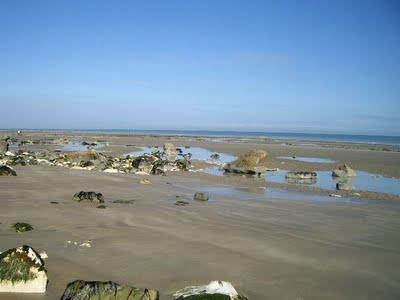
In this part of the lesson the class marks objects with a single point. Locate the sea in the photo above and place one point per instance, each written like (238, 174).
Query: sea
(352, 138)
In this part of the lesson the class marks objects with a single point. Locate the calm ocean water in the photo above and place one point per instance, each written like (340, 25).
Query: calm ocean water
(370, 139)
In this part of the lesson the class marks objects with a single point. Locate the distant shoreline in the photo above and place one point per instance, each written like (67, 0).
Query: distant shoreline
(318, 137)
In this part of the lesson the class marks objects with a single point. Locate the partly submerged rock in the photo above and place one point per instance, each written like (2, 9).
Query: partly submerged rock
(215, 290)
(214, 156)
(301, 175)
(7, 171)
(94, 290)
(343, 171)
(201, 196)
(253, 162)
(22, 271)
(22, 227)
(90, 196)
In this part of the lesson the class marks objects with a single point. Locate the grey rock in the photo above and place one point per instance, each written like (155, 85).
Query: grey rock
(343, 171)
(7, 171)
(201, 196)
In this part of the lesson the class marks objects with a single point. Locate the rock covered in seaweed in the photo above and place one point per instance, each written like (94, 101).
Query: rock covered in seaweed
(7, 171)
(215, 290)
(89, 196)
(22, 271)
(343, 171)
(93, 290)
(253, 162)
(301, 177)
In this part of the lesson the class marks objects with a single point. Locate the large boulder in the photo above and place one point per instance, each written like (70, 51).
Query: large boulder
(253, 162)
(88, 196)
(343, 171)
(7, 171)
(22, 271)
(94, 290)
(215, 290)
(170, 151)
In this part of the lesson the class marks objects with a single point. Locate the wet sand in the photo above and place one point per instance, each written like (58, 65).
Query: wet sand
(268, 248)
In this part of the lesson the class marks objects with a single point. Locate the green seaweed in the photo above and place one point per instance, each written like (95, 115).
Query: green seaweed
(16, 266)
(22, 227)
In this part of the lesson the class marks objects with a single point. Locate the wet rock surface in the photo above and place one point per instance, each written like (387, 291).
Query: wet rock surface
(22, 271)
(94, 290)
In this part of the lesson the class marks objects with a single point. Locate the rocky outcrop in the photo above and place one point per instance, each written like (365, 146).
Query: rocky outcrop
(94, 290)
(201, 196)
(7, 171)
(215, 290)
(88, 196)
(22, 271)
(170, 151)
(343, 171)
(253, 162)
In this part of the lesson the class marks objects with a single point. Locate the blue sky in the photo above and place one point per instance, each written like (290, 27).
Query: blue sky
(308, 66)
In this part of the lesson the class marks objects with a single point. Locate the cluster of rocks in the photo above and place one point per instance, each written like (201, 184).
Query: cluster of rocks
(23, 271)
(157, 162)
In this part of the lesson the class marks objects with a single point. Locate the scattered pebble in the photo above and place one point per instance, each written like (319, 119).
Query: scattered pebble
(43, 255)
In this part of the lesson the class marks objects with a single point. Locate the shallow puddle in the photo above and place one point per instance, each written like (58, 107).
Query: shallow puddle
(78, 147)
(197, 154)
(308, 159)
(262, 193)
(364, 181)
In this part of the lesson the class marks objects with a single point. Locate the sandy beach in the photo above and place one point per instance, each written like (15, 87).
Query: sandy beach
(271, 240)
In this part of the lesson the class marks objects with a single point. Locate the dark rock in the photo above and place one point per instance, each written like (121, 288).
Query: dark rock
(90, 196)
(94, 290)
(214, 156)
(7, 171)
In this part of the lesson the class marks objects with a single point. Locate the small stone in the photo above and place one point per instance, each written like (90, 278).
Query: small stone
(101, 206)
(144, 181)
(335, 195)
(201, 196)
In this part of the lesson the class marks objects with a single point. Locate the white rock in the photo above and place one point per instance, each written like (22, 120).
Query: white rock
(9, 153)
(214, 287)
(111, 170)
(335, 195)
(43, 255)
